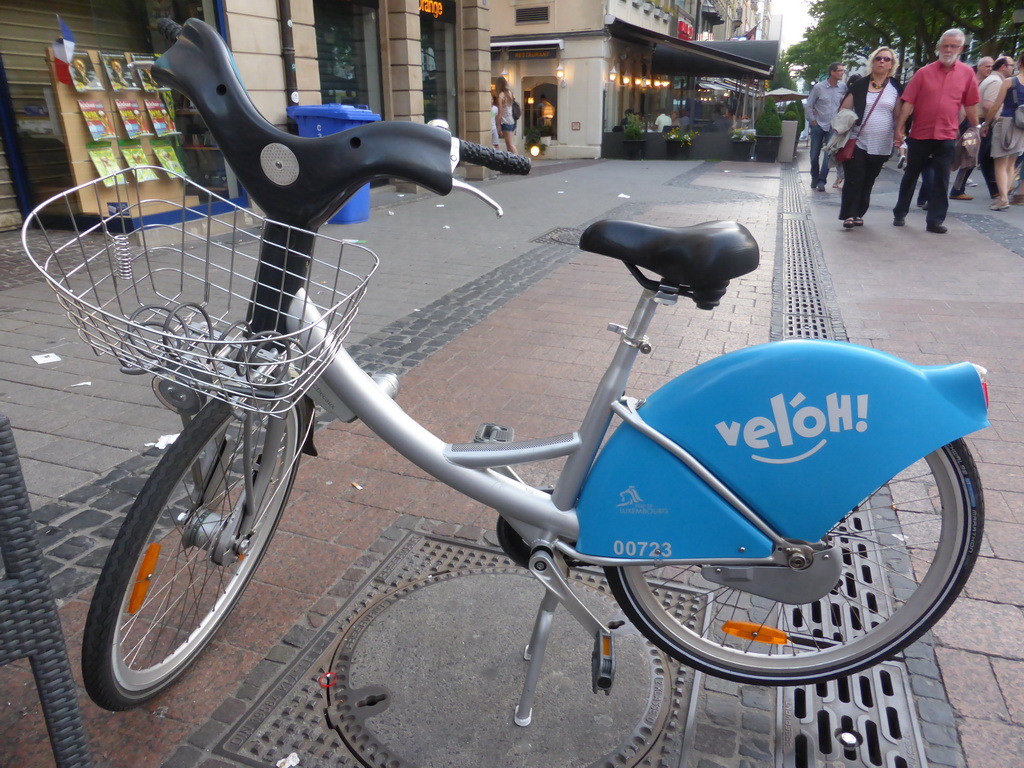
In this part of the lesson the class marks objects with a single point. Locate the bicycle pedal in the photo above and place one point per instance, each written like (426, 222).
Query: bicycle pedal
(494, 433)
(603, 662)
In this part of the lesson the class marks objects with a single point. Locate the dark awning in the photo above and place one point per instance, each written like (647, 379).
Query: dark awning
(729, 58)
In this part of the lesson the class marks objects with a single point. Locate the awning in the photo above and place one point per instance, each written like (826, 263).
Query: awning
(785, 94)
(723, 85)
(549, 42)
(672, 56)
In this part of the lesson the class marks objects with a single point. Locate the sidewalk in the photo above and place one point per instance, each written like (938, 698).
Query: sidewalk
(518, 318)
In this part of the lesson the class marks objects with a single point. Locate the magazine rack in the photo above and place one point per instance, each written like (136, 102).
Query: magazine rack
(29, 624)
(77, 136)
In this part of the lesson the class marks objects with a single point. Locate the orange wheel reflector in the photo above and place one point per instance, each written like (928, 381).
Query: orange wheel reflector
(756, 632)
(142, 578)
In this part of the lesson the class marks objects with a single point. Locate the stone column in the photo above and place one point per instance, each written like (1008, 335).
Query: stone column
(403, 60)
(475, 80)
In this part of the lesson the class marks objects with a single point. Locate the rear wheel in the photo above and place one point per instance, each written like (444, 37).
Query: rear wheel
(173, 575)
(906, 550)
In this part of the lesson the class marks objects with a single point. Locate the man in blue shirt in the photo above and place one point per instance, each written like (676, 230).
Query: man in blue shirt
(821, 106)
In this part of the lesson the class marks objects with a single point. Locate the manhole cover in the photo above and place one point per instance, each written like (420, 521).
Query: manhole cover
(561, 236)
(424, 667)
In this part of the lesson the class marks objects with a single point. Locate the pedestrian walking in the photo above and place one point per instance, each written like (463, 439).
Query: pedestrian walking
(1007, 138)
(876, 100)
(821, 106)
(1002, 68)
(505, 118)
(959, 190)
(935, 95)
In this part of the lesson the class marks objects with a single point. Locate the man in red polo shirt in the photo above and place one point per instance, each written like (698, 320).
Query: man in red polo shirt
(934, 97)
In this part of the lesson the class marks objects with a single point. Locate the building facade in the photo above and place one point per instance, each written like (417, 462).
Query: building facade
(585, 64)
(402, 59)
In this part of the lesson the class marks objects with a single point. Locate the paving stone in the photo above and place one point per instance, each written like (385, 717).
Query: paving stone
(758, 698)
(187, 757)
(83, 521)
(757, 722)
(715, 741)
(229, 711)
(721, 712)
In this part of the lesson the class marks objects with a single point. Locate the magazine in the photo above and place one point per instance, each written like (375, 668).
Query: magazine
(143, 75)
(133, 117)
(165, 152)
(163, 124)
(83, 73)
(116, 67)
(135, 156)
(103, 157)
(96, 118)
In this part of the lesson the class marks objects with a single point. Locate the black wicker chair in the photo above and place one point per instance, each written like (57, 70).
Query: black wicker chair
(29, 624)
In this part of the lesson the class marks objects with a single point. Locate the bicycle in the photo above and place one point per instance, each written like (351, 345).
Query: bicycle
(818, 498)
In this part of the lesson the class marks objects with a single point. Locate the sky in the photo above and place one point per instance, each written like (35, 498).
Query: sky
(795, 19)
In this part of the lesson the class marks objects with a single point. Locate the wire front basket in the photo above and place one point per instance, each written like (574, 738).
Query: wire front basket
(167, 285)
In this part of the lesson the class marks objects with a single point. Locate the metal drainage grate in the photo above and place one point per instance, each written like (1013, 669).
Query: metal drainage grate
(863, 719)
(805, 314)
(867, 719)
(560, 236)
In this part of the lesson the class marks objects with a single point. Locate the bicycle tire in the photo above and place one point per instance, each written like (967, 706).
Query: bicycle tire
(893, 587)
(131, 653)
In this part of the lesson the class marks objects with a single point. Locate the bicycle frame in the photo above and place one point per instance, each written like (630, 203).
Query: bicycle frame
(749, 507)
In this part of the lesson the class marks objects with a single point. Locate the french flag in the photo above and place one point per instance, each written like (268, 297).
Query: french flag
(63, 50)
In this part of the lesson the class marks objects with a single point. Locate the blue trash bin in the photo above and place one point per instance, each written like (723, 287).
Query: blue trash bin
(324, 119)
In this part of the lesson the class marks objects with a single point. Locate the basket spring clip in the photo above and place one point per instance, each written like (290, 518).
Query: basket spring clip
(123, 257)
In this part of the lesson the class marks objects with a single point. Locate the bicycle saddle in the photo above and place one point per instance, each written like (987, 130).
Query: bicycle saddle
(701, 259)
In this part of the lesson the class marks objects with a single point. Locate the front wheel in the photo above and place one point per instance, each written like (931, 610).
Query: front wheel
(907, 551)
(173, 574)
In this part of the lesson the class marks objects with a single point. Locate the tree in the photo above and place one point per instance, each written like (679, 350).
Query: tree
(850, 31)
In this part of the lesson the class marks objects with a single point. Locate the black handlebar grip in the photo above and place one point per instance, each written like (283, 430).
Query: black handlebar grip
(496, 160)
(169, 29)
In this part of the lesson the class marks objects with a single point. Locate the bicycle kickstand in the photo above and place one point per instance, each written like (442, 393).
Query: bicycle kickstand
(552, 574)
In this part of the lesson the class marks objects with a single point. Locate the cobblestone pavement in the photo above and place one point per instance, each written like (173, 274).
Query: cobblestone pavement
(502, 322)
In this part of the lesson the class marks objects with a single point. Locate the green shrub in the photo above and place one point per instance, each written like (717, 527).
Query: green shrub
(795, 112)
(769, 123)
(634, 128)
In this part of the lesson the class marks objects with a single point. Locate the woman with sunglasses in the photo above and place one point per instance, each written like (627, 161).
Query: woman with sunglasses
(875, 98)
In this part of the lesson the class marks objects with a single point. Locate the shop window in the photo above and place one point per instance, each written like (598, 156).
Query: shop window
(541, 108)
(348, 53)
(437, 47)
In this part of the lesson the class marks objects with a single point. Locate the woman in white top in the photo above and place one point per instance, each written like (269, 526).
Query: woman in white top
(875, 98)
(505, 119)
(1007, 139)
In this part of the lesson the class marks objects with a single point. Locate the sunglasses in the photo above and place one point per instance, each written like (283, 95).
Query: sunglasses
(883, 58)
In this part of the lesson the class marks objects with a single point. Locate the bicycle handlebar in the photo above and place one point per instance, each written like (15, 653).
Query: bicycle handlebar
(494, 159)
(303, 181)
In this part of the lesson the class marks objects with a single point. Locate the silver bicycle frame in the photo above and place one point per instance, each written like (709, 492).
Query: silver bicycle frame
(481, 472)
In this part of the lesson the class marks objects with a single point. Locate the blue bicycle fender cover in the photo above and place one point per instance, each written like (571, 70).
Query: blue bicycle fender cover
(802, 431)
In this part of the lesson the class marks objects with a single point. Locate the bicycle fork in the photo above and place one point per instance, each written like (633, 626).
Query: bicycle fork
(550, 569)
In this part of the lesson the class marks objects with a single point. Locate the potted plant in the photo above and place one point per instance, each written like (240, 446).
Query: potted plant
(792, 114)
(545, 135)
(769, 135)
(534, 145)
(633, 140)
(678, 143)
(743, 142)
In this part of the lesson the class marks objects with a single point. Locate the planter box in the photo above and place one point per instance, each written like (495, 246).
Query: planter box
(742, 150)
(634, 148)
(676, 150)
(767, 148)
